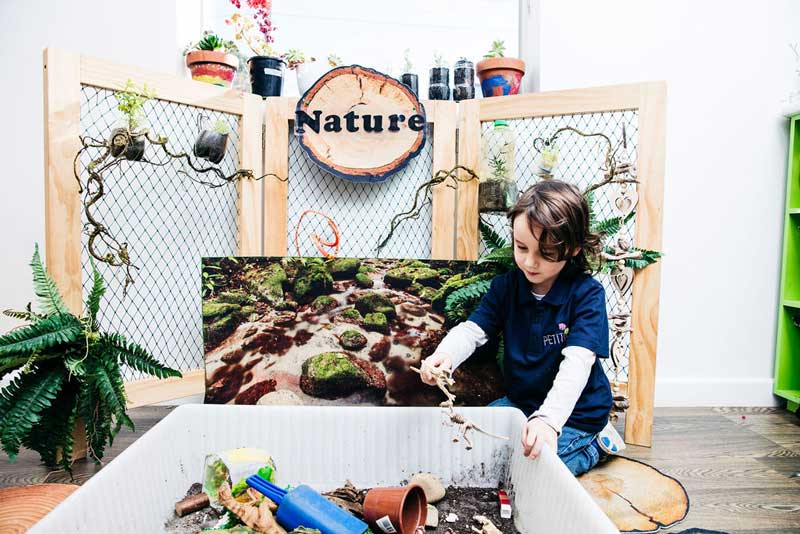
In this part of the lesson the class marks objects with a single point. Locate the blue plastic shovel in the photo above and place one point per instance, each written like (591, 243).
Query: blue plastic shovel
(303, 506)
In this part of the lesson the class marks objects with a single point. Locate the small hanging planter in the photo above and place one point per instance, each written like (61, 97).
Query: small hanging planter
(496, 195)
(126, 144)
(212, 142)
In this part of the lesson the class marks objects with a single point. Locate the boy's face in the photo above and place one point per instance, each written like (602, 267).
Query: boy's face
(540, 272)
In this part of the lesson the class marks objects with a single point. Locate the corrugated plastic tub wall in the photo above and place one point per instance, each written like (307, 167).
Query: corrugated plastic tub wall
(322, 447)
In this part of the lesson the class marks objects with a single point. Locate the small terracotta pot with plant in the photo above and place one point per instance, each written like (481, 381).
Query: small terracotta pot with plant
(500, 75)
(213, 60)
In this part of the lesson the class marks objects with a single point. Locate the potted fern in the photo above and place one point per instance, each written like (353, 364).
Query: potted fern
(500, 75)
(59, 368)
(212, 142)
(128, 139)
(212, 60)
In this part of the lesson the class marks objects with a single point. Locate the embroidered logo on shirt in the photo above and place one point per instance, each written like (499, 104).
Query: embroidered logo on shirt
(556, 339)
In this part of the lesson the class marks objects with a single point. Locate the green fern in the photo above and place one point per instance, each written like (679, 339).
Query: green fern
(64, 368)
(491, 239)
(611, 226)
(503, 257)
(461, 302)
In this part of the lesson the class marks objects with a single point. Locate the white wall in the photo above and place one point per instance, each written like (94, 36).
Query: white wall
(728, 66)
(141, 33)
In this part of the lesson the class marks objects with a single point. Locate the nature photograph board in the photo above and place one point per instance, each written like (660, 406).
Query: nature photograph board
(311, 331)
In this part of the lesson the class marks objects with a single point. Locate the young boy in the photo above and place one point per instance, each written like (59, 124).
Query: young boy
(552, 315)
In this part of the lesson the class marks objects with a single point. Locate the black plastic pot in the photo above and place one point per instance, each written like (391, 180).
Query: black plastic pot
(211, 146)
(496, 196)
(463, 80)
(126, 145)
(266, 75)
(411, 81)
(439, 84)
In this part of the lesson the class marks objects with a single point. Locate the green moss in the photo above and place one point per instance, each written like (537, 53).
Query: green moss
(362, 280)
(366, 269)
(332, 365)
(312, 279)
(267, 283)
(351, 314)
(234, 297)
(403, 277)
(352, 340)
(343, 268)
(375, 303)
(213, 309)
(376, 322)
(323, 303)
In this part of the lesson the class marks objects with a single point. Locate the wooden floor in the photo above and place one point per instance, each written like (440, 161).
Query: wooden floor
(737, 464)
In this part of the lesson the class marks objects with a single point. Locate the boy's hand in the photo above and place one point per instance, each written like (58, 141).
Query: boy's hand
(535, 434)
(438, 361)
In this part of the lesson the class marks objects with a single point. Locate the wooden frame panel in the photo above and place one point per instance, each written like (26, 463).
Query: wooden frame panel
(64, 74)
(650, 101)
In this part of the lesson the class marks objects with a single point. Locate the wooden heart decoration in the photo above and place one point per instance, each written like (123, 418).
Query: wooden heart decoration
(622, 278)
(626, 202)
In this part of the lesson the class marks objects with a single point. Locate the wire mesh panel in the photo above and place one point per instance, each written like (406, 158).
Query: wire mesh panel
(580, 162)
(169, 222)
(362, 211)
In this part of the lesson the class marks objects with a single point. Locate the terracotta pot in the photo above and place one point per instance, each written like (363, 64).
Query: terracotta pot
(208, 66)
(396, 510)
(500, 76)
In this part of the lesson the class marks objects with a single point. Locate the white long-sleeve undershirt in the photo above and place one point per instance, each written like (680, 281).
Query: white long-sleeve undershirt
(573, 372)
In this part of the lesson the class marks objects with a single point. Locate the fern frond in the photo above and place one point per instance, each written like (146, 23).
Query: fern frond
(95, 295)
(26, 315)
(95, 420)
(53, 434)
(501, 256)
(590, 202)
(110, 392)
(648, 258)
(611, 226)
(47, 333)
(25, 409)
(467, 294)
(490, 237)
(50, 300)
(135, 356)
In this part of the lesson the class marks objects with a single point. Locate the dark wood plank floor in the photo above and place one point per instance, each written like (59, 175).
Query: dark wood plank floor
(737, 464)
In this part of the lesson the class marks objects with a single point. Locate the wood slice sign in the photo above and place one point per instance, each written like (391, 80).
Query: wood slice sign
(360, 124)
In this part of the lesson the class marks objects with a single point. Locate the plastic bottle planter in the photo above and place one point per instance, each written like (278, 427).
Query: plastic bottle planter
(439, 83)
(210, 144)
(496, 196)
(217, 68)
(266, 75)
(463, 80)
(500, 75)
(397, 510)
(411, 81)
(130, 146)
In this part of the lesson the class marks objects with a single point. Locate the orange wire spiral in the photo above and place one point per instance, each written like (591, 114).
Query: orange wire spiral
(318, 241)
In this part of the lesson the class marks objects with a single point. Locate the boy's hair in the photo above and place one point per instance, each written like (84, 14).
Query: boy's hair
(562, 212)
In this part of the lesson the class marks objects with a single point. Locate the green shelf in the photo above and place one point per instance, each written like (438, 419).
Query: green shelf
(787, 346)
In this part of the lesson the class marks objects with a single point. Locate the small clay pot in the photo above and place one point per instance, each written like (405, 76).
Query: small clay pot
(439, 83)
(411, 81)
(211, 146)
(500, 75)
(398, 509)
(463, 80)
(496, 196)
(217, 68)
(131, 147)
(266, 75)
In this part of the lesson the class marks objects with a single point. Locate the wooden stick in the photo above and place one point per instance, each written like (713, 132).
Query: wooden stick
(191, 504)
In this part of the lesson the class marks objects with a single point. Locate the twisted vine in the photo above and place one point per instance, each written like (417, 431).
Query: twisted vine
(440, 177)
(102, 244)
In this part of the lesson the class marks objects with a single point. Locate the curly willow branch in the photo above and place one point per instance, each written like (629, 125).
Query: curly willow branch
(440, 177)
(102, 245)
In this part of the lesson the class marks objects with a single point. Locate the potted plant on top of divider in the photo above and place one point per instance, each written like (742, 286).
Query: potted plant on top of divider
(266, 67)
(308, 70)
(59, 368)
(128, 139)
(499, 75)
(408, 78)
(212, 60)
(439, 79)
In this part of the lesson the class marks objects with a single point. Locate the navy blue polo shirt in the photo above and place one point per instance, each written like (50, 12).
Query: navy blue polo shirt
(573, 313)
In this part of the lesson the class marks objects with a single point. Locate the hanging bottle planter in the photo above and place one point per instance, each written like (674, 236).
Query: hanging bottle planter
(128, 139)
(463, 80)
(126, 144)
(266, 75)
(497, 189)
(212, 142)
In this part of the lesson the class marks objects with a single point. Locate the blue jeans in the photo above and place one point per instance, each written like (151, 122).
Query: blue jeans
(574, 446)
